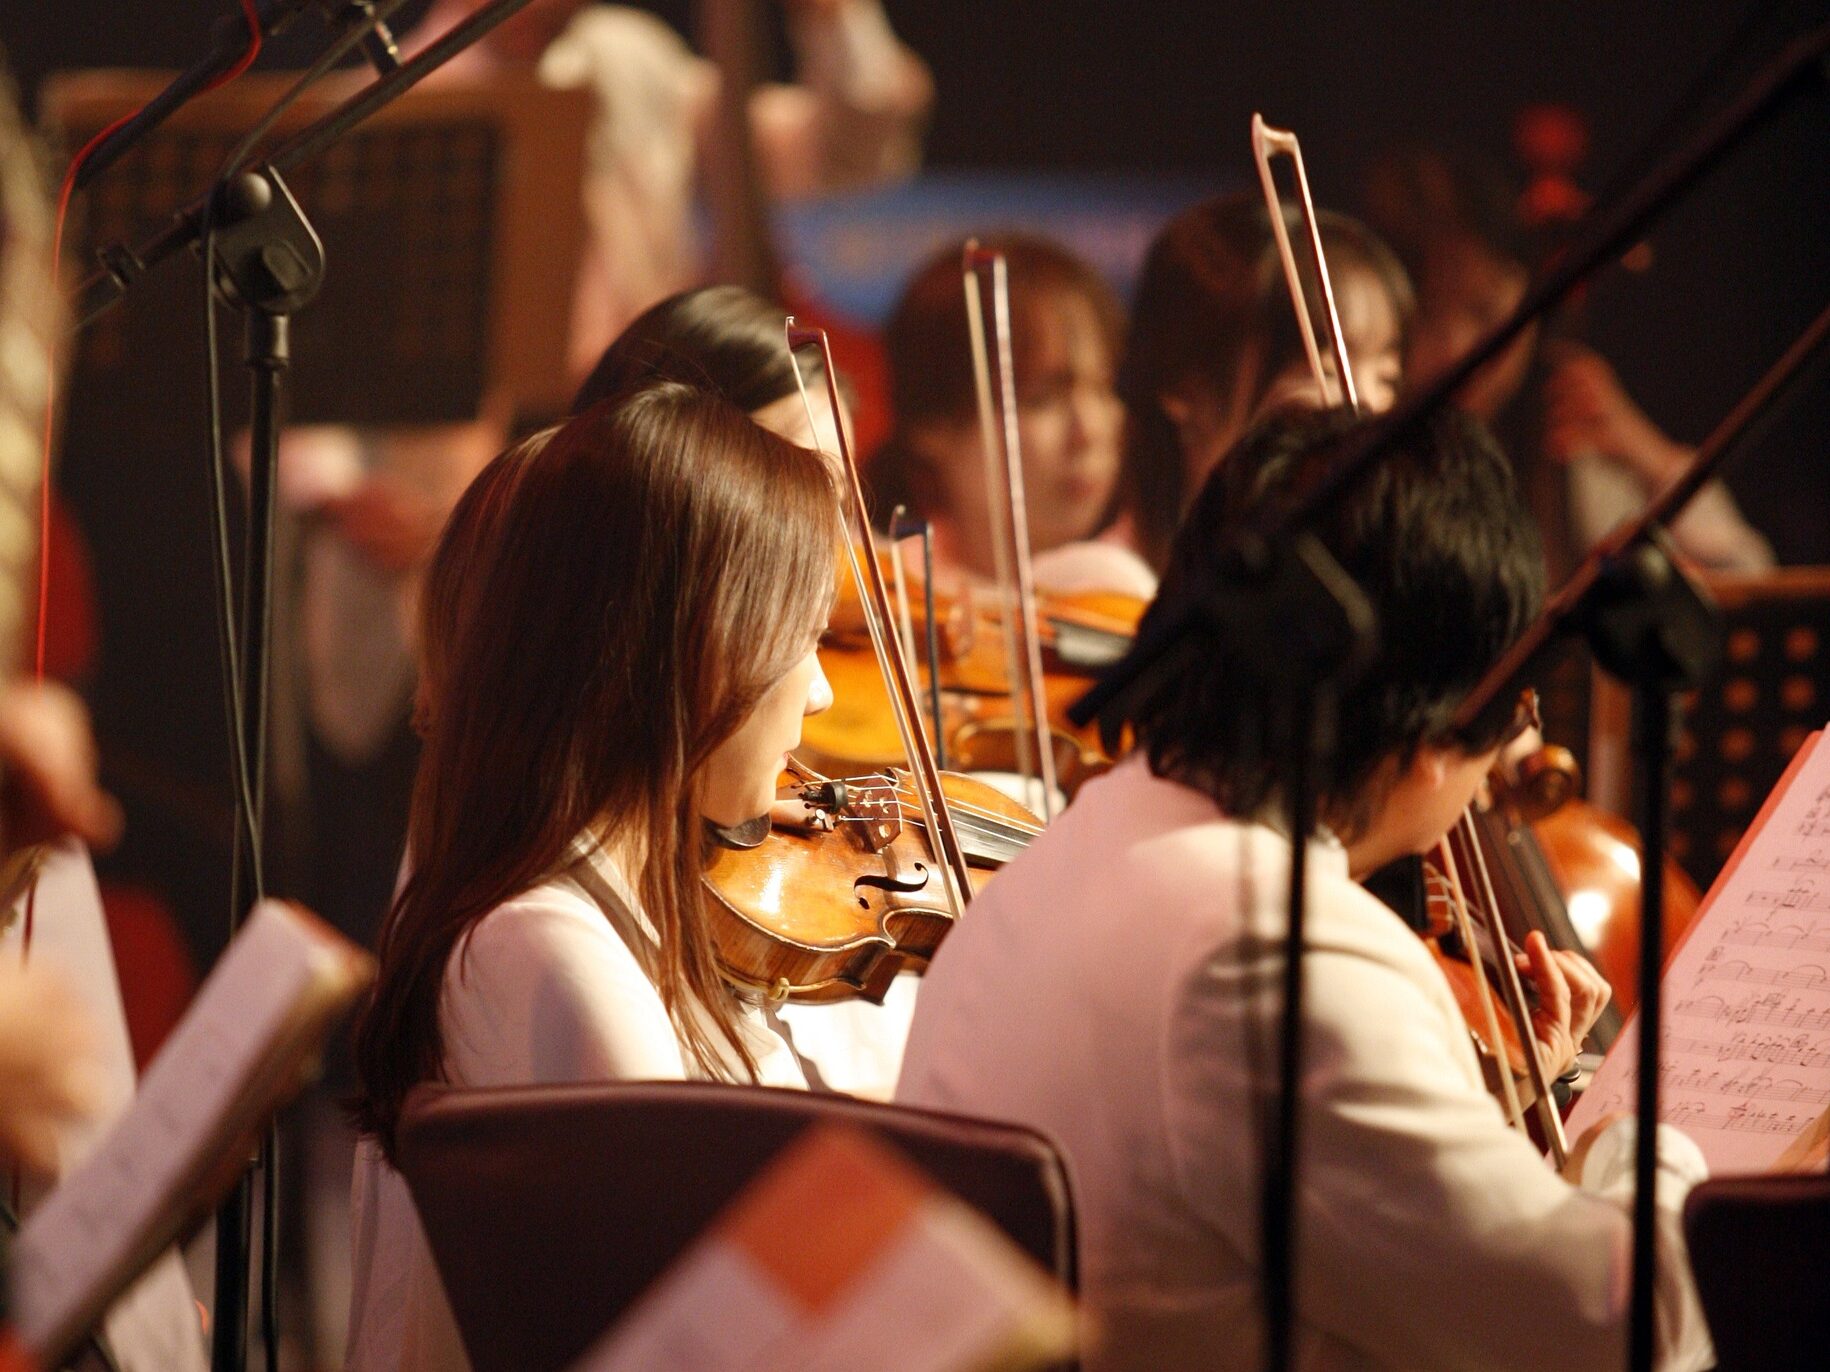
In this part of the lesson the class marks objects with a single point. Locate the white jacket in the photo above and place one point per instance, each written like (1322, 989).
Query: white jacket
(1106, 989)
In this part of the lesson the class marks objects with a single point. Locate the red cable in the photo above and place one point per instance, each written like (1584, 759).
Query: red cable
(64, 193)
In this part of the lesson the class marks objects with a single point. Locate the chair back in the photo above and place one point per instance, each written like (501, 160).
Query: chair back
(1760, 1249)
(550, 1209)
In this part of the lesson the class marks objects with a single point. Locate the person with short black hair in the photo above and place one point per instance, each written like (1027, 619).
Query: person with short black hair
(1116, 986)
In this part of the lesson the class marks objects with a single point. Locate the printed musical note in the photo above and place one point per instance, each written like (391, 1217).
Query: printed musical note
(1745, 1046)
(1811, 976)
(1782, 1050)
(1759, 932)
(1800, 895)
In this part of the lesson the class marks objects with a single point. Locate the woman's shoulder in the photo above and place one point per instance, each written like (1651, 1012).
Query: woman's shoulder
(546, 988)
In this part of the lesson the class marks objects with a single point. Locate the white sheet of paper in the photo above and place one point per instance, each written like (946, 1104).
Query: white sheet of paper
(96, 1220)
(1745, 1044)
(153, 1327)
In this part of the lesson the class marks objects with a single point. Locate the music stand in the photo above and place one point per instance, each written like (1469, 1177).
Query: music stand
(1738, 733)
(452, 223)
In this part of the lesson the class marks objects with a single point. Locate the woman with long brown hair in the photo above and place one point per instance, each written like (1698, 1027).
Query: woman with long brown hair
(629, 661)
(1214, 345)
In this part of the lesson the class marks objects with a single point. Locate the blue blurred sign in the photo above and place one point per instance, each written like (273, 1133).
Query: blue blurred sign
(854, 251)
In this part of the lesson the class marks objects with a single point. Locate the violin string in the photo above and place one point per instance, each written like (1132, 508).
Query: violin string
(1458, 906)
(876, 783)
(986, 823)
(1514, 992)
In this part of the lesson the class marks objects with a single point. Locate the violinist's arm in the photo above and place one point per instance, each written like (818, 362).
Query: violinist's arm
(1432, 1236)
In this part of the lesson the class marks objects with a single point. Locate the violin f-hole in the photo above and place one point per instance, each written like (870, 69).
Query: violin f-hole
(887, 883)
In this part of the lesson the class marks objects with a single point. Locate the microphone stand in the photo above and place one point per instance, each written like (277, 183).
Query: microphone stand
(228, 42)
(1655, 630)
(123, 265)
(268, 261)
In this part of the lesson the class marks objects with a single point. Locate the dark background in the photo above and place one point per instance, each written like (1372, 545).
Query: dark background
(1152, 85)
(1169, 85)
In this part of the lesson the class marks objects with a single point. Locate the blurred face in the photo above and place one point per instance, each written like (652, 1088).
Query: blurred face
(1464, 292)
(739, 779)
(1372, 333)
(1069, 423)
(1070, 426)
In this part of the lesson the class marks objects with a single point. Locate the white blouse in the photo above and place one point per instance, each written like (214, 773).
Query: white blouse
(549, 987)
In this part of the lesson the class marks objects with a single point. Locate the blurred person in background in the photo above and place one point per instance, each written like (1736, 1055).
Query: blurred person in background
(1588, 456)
(1067, 331)
(1214, 344)
(852, 117)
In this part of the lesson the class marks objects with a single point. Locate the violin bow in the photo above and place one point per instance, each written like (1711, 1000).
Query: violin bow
(1269, 142)
(1512, 990)
(874, 600)
(1338, 389)
(980, 269)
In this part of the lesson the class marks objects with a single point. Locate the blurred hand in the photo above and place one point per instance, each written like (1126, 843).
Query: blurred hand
(48, 763)
(49, 1072)
(388, 521)
(1587, 410)
(1571, 996)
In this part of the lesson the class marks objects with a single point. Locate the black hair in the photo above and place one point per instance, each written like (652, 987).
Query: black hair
(724, 339)
(1438, 540)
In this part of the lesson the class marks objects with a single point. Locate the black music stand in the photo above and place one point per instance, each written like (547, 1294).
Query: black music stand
(452, 222)
(1740, 730)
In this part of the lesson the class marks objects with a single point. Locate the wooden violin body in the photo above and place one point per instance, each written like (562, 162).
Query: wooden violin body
(1571, 870)
(1496, 1043)
(1081, 634)
(835, 904)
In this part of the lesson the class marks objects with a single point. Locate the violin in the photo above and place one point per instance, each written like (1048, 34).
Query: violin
(1080, 634)
(1575, 871)
(1471, 981)
(845, 882)
(838, 891)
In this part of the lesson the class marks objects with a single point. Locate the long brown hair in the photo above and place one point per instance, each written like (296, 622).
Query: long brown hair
(651, 568)
(1211, 306)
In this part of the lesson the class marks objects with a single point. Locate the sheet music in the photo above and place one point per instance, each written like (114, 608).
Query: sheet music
(1745, 1046)
(153, 1327)
(95, 1224)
